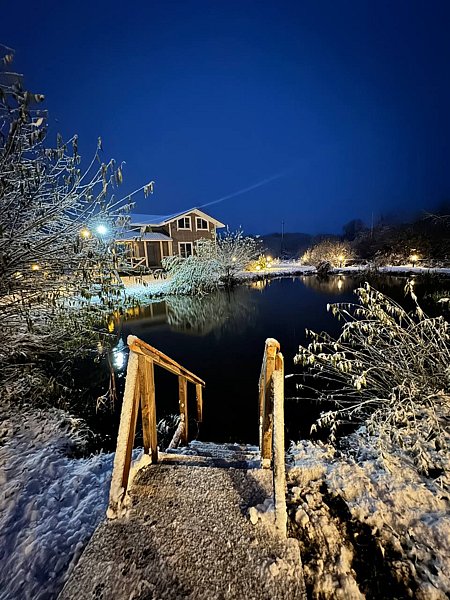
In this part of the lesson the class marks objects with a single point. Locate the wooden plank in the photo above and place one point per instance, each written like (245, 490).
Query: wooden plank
(137, 345)
(125, 438)
(271, 349)
(182, 399)
(147, 386)
(279, 459)
(199, 399)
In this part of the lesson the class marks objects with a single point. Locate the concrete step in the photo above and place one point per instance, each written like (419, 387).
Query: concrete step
(240, 455)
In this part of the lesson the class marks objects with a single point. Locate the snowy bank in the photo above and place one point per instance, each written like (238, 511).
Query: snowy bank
(50, 503)
(366, 529)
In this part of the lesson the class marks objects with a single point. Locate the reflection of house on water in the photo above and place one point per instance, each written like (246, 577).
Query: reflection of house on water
(196, 315)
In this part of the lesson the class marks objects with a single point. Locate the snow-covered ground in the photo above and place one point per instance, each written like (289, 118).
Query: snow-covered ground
(362, 523)
(50, 503)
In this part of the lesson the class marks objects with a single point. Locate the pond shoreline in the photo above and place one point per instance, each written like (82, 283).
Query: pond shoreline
(149, 287)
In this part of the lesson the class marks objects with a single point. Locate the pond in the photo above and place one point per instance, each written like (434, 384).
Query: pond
(220, 337)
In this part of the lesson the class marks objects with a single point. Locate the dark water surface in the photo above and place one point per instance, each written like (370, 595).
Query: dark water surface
(220, 337)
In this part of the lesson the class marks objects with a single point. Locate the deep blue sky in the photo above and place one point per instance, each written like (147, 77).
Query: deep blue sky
(349, 100)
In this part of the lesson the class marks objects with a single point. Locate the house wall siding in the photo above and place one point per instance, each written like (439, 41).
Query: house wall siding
(192, 235)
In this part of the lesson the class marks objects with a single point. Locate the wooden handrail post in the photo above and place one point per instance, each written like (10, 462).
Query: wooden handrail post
(266, 402)
(199, 398)
(279, 464)
(148, 405)
(182, 399)
(125, 438)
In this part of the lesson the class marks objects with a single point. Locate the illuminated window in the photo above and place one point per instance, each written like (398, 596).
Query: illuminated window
(185, 249)
(184, 223)
(201, 224)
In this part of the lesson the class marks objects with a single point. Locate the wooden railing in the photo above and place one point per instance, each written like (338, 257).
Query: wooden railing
(271, 429)
(140, 391)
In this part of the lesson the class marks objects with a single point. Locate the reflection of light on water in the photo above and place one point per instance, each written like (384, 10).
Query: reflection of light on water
(259, 285)
(119, 356)
(340, 283)
(119, 360)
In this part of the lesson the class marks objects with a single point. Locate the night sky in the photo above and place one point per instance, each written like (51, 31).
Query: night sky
(341, 109)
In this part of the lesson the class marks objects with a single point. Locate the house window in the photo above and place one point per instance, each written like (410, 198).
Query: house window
(185, 249)
(184, 223)
(201, 224)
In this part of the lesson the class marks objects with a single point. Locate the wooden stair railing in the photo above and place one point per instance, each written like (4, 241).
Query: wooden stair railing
(271, 425)
(140, 391)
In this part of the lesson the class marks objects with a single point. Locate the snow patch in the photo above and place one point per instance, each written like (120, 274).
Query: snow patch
(50, 503)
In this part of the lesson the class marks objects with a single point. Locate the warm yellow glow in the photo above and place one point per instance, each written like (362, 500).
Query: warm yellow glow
(234, 259)
(340, 283)
(258, 267)
(35, 267)
(414, 258)
(85, 233)
(269, 258)
(341, 258)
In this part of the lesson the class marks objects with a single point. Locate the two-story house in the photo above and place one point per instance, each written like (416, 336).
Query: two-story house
(149, 238)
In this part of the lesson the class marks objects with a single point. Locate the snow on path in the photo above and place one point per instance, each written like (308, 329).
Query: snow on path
(50, 503)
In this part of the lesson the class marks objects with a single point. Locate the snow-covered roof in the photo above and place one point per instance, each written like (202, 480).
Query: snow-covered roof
(145, 237)
(139, 220)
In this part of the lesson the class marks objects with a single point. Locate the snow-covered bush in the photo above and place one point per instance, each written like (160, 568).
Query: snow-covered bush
(214, 262)
(234, 252)
(335, 252)
(192, 275)
(388, 370)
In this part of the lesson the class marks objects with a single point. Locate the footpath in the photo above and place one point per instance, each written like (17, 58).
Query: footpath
(188, 534)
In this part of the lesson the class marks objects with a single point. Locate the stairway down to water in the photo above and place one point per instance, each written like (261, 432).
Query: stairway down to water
(188, 535)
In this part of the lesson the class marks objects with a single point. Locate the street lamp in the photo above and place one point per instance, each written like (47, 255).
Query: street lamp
(101, 229)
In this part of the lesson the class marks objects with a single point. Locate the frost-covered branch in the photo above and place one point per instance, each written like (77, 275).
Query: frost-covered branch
(388, 370)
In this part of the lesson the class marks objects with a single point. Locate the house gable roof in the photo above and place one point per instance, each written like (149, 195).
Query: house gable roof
(140, 220)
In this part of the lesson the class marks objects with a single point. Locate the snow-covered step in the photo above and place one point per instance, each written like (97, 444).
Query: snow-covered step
(243, 454)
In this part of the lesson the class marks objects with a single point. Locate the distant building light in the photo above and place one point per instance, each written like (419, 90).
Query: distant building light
(414, 258)
(35, 267)
(85, 233)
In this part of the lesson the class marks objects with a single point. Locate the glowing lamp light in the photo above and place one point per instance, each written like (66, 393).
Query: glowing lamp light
(414, 258)
(234, 259)
(35, 267)
(101, 229)
(258, 267)
(269, 259)
(85, 233)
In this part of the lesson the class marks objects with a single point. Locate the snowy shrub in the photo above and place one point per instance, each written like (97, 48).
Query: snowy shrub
(388, 370)
(335, 252)
(234, 253)
(215, 262)
(192, 275)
